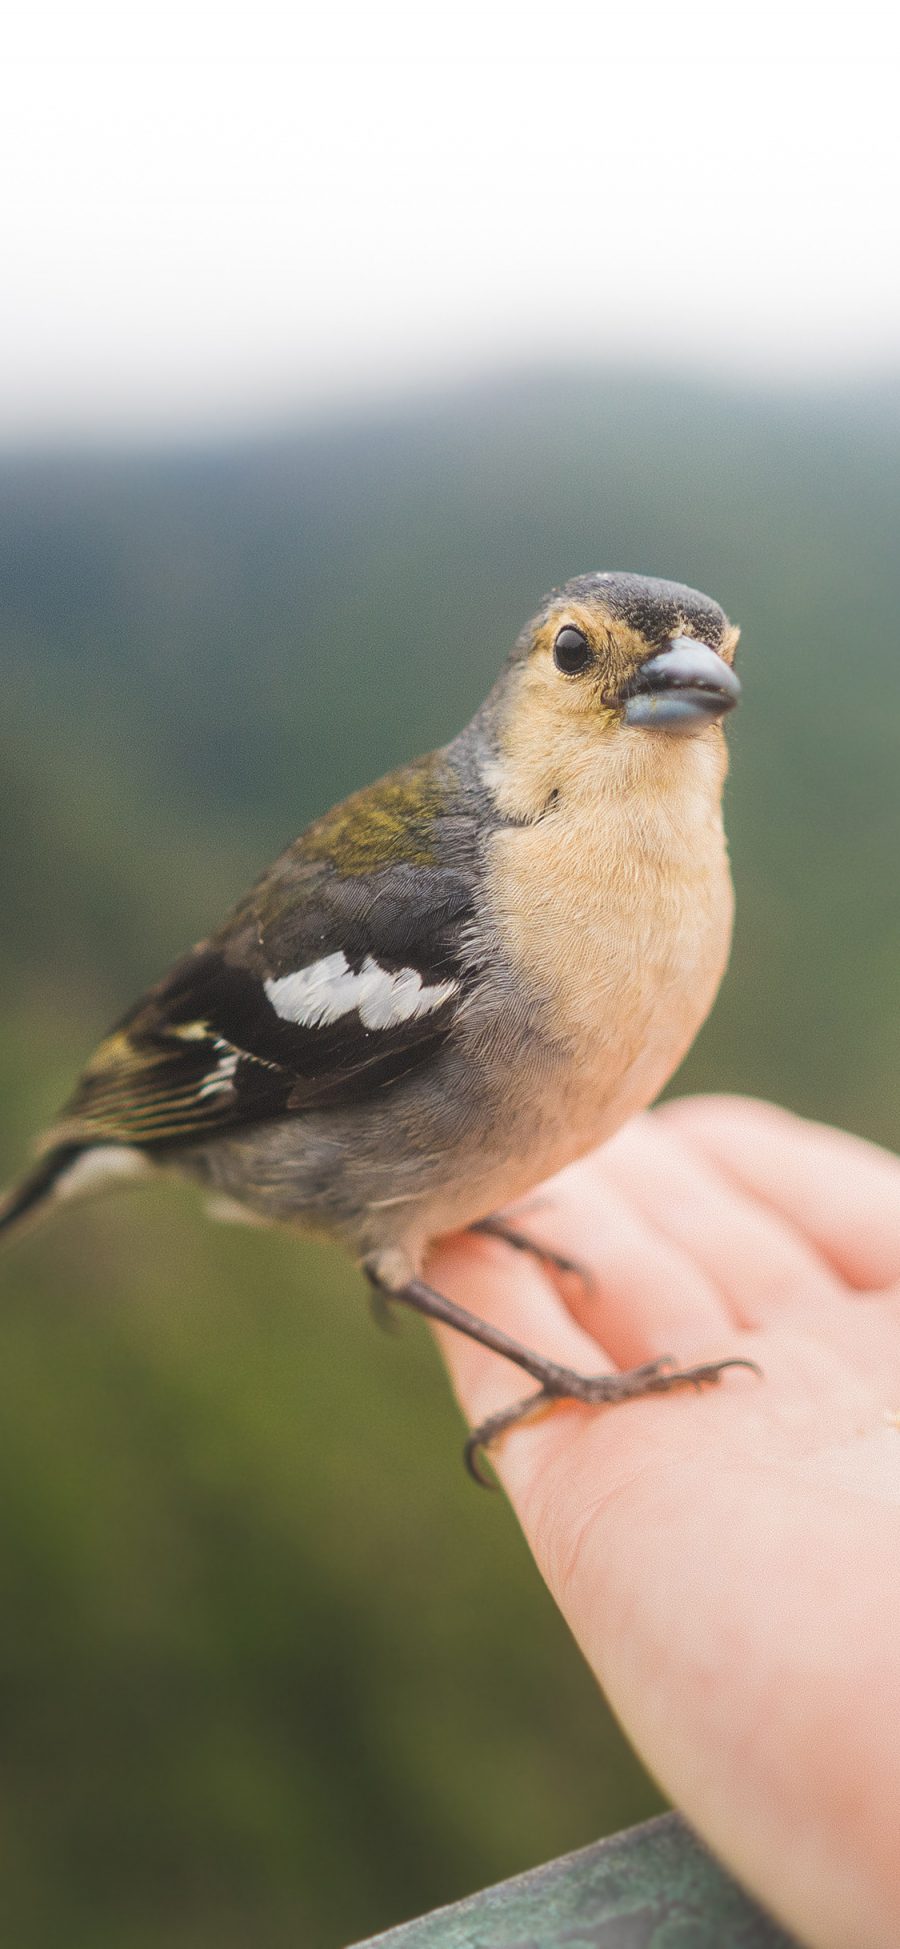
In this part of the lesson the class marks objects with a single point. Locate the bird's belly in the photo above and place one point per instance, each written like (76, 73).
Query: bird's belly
(558, 1108)
(547, 1125)
(632, 1006)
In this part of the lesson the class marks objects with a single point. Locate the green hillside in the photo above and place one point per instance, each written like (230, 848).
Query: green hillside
(270, 1668)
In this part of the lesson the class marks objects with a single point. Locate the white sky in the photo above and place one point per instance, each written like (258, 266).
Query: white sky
(211, 215)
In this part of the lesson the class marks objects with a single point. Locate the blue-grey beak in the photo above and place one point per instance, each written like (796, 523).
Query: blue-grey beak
(685, 686)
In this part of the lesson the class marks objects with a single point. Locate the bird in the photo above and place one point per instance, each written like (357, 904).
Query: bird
(455, 982)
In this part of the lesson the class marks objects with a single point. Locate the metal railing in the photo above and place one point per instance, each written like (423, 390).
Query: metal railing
(652, 1887)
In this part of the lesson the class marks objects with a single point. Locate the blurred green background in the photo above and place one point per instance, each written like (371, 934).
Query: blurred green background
(271, 1669)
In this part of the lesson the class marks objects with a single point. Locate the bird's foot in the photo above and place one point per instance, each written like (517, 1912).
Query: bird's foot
(555, 1383)
(520, 1242)
(593, 1391)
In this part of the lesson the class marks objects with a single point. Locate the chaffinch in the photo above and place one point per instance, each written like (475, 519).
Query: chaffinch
(458, 980)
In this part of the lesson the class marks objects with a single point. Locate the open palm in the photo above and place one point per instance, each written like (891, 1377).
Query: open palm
(728, 1561)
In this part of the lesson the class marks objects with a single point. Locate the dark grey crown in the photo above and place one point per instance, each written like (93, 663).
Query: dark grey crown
(656, 609)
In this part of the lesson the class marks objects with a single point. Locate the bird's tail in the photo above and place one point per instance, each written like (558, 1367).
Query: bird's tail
(31, 1196)
(67, 1171)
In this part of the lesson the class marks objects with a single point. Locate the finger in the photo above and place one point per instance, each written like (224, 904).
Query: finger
(760, 1266)
(841, 1191)
(644, 1296)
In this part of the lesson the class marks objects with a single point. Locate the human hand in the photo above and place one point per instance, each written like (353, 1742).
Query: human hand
(729, 1562)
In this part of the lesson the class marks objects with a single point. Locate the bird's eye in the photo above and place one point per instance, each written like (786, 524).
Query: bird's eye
(572, 652)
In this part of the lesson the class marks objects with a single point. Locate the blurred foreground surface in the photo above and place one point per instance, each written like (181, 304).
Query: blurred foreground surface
(270, 1666)
(649, 1888)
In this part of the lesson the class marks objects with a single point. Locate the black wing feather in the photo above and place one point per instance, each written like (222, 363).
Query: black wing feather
(206, 1052)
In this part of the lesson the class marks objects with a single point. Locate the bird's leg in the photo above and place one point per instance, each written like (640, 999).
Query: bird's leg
(520, 1242)
(424, 1299)
(555, 1383)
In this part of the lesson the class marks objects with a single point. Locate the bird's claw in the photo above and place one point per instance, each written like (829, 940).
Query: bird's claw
(598, 1390)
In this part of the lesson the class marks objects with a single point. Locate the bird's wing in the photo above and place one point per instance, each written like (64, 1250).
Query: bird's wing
(333, 979)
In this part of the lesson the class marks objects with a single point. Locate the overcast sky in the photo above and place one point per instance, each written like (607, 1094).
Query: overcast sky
(213, 215)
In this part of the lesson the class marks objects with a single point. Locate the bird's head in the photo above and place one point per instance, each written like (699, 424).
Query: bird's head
(634, 653)
(620, 670)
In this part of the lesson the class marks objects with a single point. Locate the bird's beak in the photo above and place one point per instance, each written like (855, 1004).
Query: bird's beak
(681, 688)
